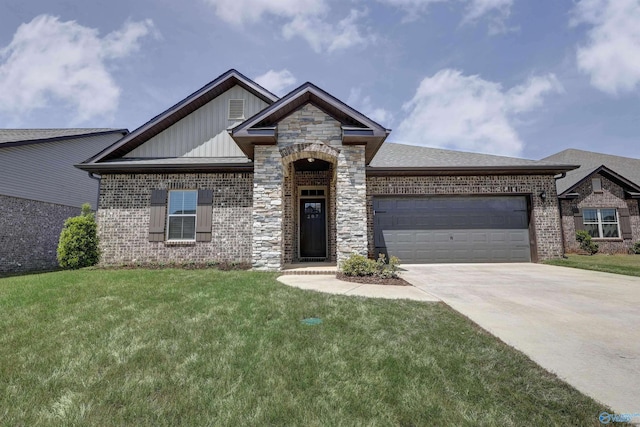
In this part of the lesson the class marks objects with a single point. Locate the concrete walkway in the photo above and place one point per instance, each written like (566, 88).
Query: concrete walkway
(329, 284)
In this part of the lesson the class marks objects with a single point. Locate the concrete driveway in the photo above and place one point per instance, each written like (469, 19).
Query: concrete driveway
(582, 325)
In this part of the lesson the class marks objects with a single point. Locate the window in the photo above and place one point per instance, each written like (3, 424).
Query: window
(182, 215)
(236, 109)
(601, 223)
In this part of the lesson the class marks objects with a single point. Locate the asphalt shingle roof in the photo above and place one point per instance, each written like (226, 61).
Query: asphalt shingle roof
(20, 135)
(589, 161)
(402, 155)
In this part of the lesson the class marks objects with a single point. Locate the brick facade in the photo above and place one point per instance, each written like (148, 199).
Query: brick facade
(123, 218)
(612, 196)
(545, 215)
(29, 233)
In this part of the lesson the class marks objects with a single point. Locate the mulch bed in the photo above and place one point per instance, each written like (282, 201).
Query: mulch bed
(373, 280)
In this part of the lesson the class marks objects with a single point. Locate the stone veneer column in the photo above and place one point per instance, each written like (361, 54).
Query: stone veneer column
(267, 208)
(351, 203)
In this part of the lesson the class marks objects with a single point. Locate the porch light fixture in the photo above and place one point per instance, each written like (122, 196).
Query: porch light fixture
(311, 160)
(543, 195)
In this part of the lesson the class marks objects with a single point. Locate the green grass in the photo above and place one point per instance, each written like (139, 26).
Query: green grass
(620, 264)
(203, 347)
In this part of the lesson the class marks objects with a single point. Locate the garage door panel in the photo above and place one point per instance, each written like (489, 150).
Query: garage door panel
(453, 229)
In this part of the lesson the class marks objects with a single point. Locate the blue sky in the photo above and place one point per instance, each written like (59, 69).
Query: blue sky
(511, 77)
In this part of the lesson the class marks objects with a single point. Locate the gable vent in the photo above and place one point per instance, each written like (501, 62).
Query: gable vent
(236, 109)
(597, 185)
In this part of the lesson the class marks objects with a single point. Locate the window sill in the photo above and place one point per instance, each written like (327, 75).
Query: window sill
(607, 239)
(180, 243)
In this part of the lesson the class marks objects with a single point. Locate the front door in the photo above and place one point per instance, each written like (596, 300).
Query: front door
(313, 233)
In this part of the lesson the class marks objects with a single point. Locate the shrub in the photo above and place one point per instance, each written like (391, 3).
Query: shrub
(636, 248)
(586, 244)
(78, 245)
(358, 265)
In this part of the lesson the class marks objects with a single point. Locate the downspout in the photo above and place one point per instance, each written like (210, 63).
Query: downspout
(99, 179)
(555, 179)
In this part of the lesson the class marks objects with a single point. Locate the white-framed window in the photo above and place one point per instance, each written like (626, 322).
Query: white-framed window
(602, 223)
(181, 221)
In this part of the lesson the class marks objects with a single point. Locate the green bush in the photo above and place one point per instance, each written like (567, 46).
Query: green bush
(358, 265)
(586, 244)
(636, 248)
(78, 245)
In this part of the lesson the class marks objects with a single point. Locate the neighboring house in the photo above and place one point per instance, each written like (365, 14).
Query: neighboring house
(601, 196)
(40, 188)
(234, 173)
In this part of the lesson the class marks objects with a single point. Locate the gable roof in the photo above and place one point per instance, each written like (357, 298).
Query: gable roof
(620, 168)
(357, 128)
(17, 137)
(180, 110)
(396, 158)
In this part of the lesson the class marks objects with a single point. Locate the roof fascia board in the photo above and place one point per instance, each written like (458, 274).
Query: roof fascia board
(164, 168)
(469, 170)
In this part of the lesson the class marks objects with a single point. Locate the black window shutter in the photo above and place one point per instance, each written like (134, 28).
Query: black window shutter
(157, 215)
(577, 218)
(625, 223)
(203, 215)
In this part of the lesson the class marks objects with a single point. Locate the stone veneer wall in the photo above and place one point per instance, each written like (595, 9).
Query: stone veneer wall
(545, 215)
(267, 249)
(292, 182)
(123, 218)
(612, 196)
(29, 233)
(351, 203)
(309, 124)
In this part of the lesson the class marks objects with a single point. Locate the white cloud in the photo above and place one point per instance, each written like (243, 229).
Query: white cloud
(611, 55)
(366, 107)
(50, 61)
(454, 111)
(307, 19)
(276, 81)
(497, 10)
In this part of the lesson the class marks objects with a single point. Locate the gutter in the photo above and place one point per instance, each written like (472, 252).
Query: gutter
(99, 179)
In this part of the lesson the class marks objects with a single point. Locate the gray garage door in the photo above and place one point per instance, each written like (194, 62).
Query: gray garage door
(452, 229)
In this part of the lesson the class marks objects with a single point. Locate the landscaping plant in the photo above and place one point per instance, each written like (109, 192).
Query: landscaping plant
(586, 244)
(359, 265)
(636, 248)
(78, 245)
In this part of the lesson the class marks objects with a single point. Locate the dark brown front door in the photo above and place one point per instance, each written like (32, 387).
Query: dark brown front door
(313, 236)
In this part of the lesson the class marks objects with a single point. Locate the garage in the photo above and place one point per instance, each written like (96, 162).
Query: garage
(456, 229)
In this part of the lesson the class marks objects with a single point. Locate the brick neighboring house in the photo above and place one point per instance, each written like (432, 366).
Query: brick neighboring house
(40, 189)
(601, 196)
(234, 173)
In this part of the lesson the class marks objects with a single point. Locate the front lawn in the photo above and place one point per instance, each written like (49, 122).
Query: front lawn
(619, 264)
(202, 347)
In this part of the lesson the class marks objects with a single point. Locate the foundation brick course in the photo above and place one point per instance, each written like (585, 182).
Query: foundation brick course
(29, 233)
(123, 218)
(612, 196)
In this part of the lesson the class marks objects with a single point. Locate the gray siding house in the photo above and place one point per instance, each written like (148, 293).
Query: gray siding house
(601, 196)
(40, 188)
(234, 173)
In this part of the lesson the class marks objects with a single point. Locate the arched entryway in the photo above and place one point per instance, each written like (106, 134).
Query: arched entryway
(309, 231)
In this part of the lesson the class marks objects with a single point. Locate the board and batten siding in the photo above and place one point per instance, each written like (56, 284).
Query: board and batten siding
(45, 172)
(202, 133)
